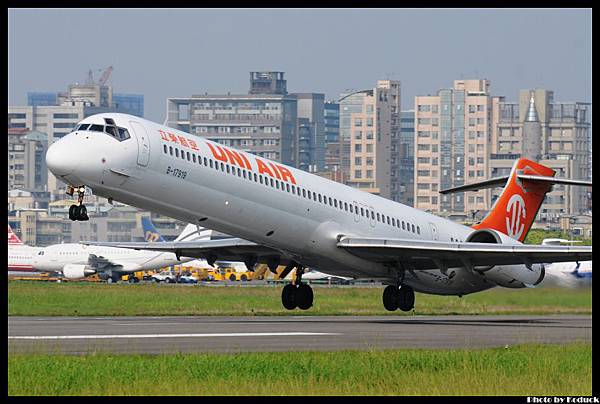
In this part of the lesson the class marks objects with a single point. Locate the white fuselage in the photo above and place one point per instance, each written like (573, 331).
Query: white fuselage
(21, 257)
(290, 210)
(54, 258)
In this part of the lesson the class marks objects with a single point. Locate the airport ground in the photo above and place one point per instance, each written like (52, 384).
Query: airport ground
(498, 342)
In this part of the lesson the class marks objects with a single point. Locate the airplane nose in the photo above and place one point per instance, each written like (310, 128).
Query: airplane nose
(60, 159)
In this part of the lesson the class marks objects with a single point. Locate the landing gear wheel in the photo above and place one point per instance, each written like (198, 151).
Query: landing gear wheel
(406, 298)
(391, 298)
(304, 296)
(288, 296)
(82, 213)
(72, 212)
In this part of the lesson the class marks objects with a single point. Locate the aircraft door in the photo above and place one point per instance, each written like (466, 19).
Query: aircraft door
(434, 233)
(143, 143)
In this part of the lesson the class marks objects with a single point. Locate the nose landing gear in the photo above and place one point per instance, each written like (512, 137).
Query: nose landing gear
(298, 294)
(78, 212)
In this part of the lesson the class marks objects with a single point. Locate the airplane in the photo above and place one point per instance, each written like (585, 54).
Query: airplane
(578, 271)
(20, 256)
(282, 215)
(76, 261)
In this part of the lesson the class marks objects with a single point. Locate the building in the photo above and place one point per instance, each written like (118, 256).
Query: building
(369, 127)
(38, 99)
(132, 104)
(406, 156)
(576, 225)
(311, 123)
(451, 147)
(27, 159)
(263, 122)
(331, 120)
(556, 134)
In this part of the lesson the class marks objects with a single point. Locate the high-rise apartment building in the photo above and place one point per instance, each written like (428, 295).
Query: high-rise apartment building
(332, 136)
(406, 158)
(557, 134)
(369, 127)
(452, 147)
(311, 131)
(27, 159)
(263, 122)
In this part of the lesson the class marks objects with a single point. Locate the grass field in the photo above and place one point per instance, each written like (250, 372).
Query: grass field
(29, 298)
(527, 370)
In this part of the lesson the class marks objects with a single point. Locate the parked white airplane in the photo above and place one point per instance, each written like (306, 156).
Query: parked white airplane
(287, 216)
(571, 272)
(20, 256)
(77, 261)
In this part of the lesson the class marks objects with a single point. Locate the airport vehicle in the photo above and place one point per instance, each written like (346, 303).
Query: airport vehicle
(285, 216)
(77, 260)
(164, 276)
(187, 278)
(20, 256)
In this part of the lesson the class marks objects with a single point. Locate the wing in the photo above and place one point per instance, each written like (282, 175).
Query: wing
(230, 249)
(435, 254)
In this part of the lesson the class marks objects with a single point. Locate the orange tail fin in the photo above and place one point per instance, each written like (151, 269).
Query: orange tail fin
(12, 238)
(518, 204)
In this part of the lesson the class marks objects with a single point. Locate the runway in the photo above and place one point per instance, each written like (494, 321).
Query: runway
(154, 335)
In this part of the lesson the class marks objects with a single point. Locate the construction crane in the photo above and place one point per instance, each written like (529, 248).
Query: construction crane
(103, 79)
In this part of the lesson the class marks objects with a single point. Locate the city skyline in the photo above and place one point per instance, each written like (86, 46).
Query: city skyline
(325, 51)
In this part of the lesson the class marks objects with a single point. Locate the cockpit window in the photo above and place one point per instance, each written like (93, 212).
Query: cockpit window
(123, 134)
(112, 130)
(41, 253)
(96, 128)
(83, 126)
(109, 121)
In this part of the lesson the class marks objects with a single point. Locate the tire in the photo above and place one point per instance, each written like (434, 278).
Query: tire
(390, 298)
(243, 278)
(406, 299)
(72, 212)
(82, 215)
(288, 296)
(232, 278)
(304, 296)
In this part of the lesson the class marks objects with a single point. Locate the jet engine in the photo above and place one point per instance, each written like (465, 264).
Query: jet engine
(508, 276)
(77, 271)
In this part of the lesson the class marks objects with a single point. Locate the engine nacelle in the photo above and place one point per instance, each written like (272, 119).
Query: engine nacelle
(508, 276)
(77, 271)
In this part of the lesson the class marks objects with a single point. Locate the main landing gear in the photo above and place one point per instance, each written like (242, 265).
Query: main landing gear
(298, 294)
(78, 212)
(398, 297)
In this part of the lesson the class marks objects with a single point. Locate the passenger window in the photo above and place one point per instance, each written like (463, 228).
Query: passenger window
(309, 195)
(403, 225)
(260, 177)
(271, 179)
(165, 148)
(182, 155)
(256, 178)
(223, 167)
(227, 168)
(334, 202)
(388, 220)
(171, 150)
(346, 206)
(418, 230)
(378, 217)
(303, 193)
(194, 158)
(372, 215)
(287, 187)
(207, 164)
(351, 209)
(362, 212)
(276, 184)
(176, 152)
(211, 163)
(188, 156)
(320, 199)
(413, 228)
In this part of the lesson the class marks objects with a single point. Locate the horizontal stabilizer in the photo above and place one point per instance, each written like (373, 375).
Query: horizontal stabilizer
(474, 186)
(501, 181)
